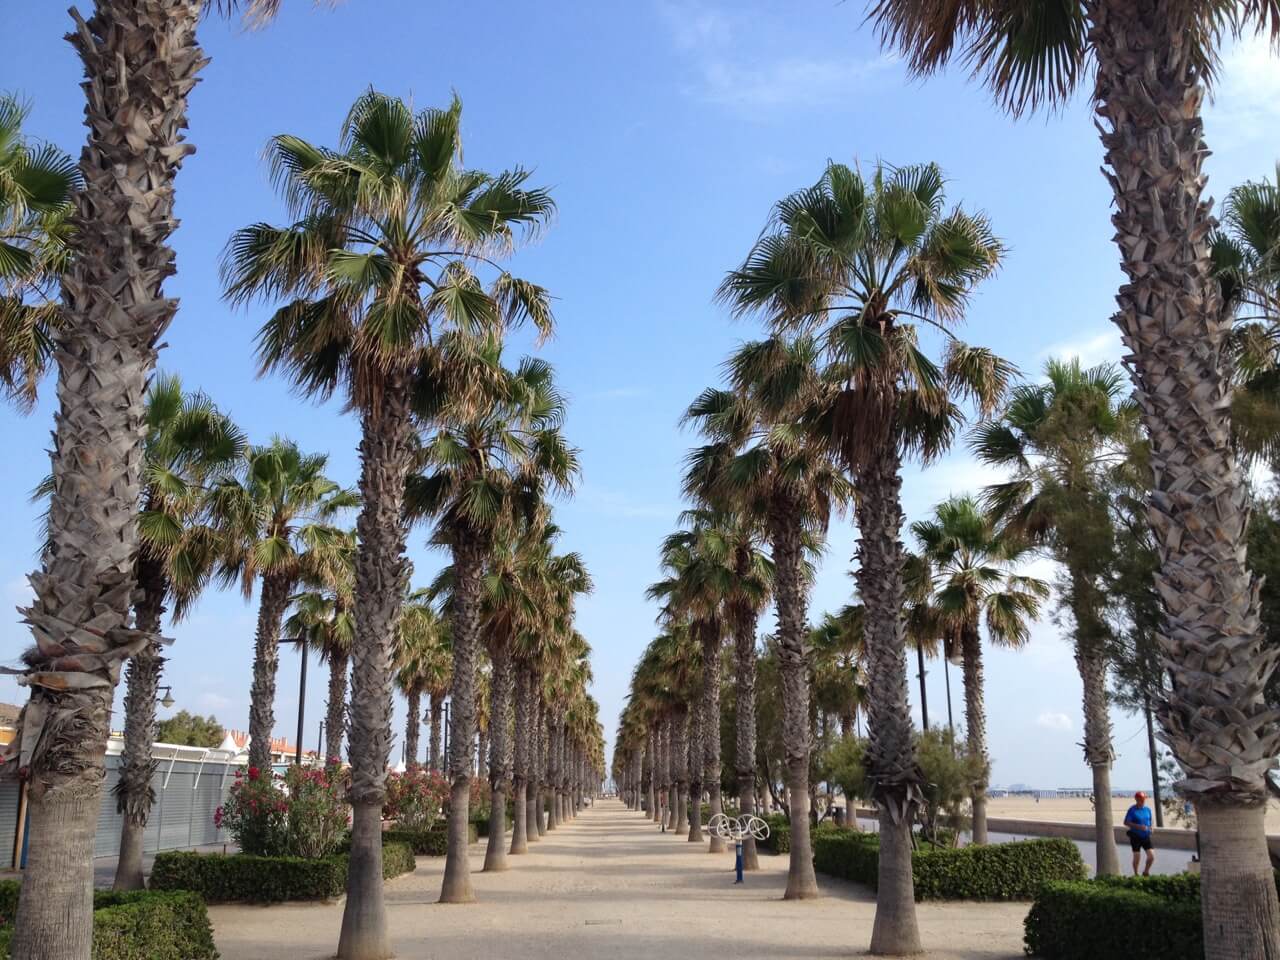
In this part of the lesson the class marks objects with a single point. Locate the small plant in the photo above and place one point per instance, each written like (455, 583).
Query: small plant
(950, 773)
(415, 798)
(256, 814)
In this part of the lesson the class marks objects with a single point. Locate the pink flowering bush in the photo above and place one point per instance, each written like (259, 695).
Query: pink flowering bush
(302, 814)
(415, 798)
(256, 814)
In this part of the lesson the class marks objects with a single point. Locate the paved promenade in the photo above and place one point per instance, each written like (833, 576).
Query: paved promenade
(609, 885)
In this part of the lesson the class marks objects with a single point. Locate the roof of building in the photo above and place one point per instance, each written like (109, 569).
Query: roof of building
(240, 740)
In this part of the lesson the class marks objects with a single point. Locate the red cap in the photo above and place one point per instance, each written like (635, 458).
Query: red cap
(1139, 795)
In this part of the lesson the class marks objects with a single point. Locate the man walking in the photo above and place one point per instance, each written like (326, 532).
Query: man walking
(1138, 822)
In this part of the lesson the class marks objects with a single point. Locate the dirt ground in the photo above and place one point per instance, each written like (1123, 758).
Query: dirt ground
(609, 884)
(1080, 810)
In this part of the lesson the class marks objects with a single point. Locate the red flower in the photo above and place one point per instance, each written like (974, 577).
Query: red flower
(254, 773)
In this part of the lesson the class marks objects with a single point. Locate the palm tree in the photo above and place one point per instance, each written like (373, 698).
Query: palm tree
(140, 62)
(860, 263)
(974, 576)
(188, 442)
(424, 657)
(379, 271)
(1063, 440)
(1149, 64)
(323, 619)
(489, 463)
(763, 459)
(276, 532)
(37, 184)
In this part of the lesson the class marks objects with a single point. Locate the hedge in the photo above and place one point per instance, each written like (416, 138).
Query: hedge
(1000, 871)
(428, 843)
(242, 877)
(1118, 918)
(139, 925)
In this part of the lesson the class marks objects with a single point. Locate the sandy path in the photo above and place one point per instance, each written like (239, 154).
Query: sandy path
(608, 884)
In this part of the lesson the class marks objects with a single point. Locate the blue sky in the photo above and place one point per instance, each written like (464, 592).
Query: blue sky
(666, 130)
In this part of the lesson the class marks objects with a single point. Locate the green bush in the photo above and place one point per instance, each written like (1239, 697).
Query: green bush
(779, 839)
(1118, 918)
(1000, 871)
(244, 877)
(428, 843)
(140, 925)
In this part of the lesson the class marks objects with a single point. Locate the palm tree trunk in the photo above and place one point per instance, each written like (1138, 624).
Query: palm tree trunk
(469, 553)
(975, 716)
(711, 723)
(553, 771)
(1148, 98)
(651, 794)
(540, 748)
(382, 574)
(695, 773)
(436, 725)
(134, 792)
(1098, 752)
(411, 727)
(140, 62)
(744, 648)
(793, 658)
(520, 781)
(680, 762)
(266, 661)
(894, 775)
(499, 772)
(482, 753)
(336, 710)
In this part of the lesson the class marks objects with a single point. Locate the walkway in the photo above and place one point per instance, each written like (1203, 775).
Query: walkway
(610, 885)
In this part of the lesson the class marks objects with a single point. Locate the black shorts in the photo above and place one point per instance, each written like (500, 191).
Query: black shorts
(1139, 841)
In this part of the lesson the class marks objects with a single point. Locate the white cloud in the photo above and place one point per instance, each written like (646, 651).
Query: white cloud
(726, 73)
(1058, 722)
(1103, 346)
(1246, 103)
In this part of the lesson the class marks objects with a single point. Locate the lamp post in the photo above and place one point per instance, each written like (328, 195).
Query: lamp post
(167, 700)
(302, 693)
(320, 754)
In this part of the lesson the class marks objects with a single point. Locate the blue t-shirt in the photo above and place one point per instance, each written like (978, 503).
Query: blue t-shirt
(1138, 819)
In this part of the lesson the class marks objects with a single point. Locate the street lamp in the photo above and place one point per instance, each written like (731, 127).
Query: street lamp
(302, 692)
(167, 701)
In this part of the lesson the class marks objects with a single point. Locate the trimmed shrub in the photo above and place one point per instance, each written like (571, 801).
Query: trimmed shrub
(139, 925)
(1087, 920)
(244, 877)
(428, 843)
(1001, 871)
(1118, 918)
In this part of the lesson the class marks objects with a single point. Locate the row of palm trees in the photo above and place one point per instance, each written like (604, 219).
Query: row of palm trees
(819, 416)
(388, 287)
(1149, 64)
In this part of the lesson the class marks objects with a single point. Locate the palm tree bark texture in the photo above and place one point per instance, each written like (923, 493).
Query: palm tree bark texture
(134, 791)
(520, 766)
(1148, 97)
(711, 723)
(412, 723)
(500, 687)
(469, 553)
(382, 574)
(266, 660)
(744, 639)
(793, 658)
(1098, 752)
(140, 59)
(693, 803)
(680, 769)
(335, 723)
(975, 713)
(892, 769)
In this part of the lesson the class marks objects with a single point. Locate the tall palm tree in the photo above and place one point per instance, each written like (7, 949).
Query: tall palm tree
(764, 459)
(488, 464)
(140, 61)
(862, 264)
(1149, 64)
(37, 184)
(188, 443)
(381, 274)
(975, 580)
(1063, 440)
(275, 524)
